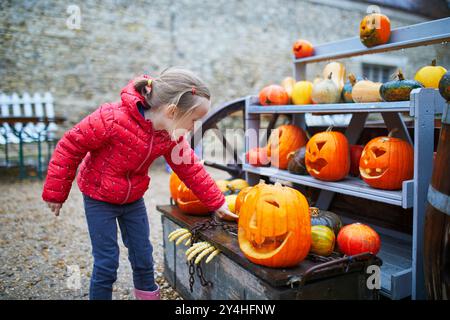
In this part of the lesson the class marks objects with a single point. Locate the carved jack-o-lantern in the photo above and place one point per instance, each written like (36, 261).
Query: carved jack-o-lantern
(386, 162)
(274, 228)
(185, 199)
(327, 156)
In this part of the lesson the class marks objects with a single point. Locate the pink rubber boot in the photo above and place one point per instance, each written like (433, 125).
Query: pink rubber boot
(147, 295)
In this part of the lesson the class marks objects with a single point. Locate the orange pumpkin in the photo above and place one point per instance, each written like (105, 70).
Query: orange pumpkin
(386, 162)
(327, 156)
(241, 199)
(257, 157)
(358, 238)
(274, 227)
(282, 141)
(374, 29)
(185, 199)
(273, 95)
(302, 48)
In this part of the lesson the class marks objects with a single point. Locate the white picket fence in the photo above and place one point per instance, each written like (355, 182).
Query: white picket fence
(26, 105)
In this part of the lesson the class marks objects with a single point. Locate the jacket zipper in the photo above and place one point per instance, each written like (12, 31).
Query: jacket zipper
(142, 163)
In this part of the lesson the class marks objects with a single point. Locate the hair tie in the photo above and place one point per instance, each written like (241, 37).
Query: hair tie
(193, 90)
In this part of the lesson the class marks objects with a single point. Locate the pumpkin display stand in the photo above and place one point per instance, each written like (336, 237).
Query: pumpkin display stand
(230, 276)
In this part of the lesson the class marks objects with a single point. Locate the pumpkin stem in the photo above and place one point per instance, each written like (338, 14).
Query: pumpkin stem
(313, 211)
(400, 75)
(392, 132)
(433, 62)
(352, 79)
(329, 128)
(329, 76)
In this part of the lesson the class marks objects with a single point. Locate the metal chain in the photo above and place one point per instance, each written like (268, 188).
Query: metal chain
(195, 235)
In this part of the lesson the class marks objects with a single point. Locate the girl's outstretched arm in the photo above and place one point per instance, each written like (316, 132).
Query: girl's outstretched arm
(190, 170)
(89, 134)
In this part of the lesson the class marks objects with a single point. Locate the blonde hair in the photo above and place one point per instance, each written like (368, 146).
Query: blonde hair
(174, 86)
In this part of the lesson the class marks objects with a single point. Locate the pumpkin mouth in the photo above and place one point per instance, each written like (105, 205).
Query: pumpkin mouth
(318, 165)
(372, 173)
(264, 247)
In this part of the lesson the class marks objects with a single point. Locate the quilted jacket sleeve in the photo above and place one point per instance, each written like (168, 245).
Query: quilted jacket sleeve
(89, 134)
(186, 165)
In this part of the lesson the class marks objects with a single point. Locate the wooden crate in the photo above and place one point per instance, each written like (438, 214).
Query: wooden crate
(234, 277)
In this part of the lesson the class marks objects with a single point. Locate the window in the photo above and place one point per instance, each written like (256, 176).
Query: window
(378, 72)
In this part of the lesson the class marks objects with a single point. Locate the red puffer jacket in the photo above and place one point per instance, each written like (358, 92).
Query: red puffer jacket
(117, 146)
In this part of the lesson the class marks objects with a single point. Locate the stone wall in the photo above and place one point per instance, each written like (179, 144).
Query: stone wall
(236, 46)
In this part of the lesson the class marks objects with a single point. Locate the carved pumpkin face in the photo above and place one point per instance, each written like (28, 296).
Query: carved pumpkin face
(185, 199)
(274, 228)
(374, 29)
(327, 156)
(386, 162)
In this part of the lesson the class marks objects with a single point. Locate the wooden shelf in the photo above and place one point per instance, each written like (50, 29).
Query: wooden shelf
(350, 186)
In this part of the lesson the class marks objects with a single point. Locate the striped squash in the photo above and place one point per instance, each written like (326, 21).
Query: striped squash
(322, 240)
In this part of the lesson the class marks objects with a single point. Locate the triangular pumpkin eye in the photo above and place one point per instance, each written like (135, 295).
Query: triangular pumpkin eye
(378, 152)
(320, 144)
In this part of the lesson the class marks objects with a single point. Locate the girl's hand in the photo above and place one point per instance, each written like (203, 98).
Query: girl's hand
(224, 211)
(55, 207)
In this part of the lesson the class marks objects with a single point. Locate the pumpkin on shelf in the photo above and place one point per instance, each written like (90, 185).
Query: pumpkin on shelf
(429, 76)
(327, 156)
(326, 91)
(337, 71)
(348, 87)
(325, 218)
(322, 240)
(355, 156)
(386, 162)
(274, 228)
(288, 84)
(374, 29)
(366, 91)
(398, 90)
(444, 86)
(296, 162)
(282, 141)
(302, 48)
(358, 238)
(257, 156)
(273, 95)
(301, 93)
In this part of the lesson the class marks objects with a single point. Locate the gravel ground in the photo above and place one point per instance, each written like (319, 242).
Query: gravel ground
(41, 253)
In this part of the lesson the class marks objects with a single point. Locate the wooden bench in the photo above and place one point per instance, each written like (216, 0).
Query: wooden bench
(234, 277)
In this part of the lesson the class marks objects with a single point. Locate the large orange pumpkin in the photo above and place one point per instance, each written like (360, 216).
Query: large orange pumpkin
(274, 227)
(386, 162)
(185, 199)
(282, 141)
(327, 156)
(273, 95)
(374, 29)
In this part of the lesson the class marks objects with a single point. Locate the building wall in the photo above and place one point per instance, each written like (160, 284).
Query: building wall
(236, 46)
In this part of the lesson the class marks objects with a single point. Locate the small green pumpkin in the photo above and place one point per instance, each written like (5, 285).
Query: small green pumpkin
(398, 90)
(296, 162)
(323, 240)
(347, 89)
(325, 218)
(444, 86)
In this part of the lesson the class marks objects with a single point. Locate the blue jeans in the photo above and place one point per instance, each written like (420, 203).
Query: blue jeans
(133, 222)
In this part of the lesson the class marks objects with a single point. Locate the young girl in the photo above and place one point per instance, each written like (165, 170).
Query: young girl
(115, 145)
